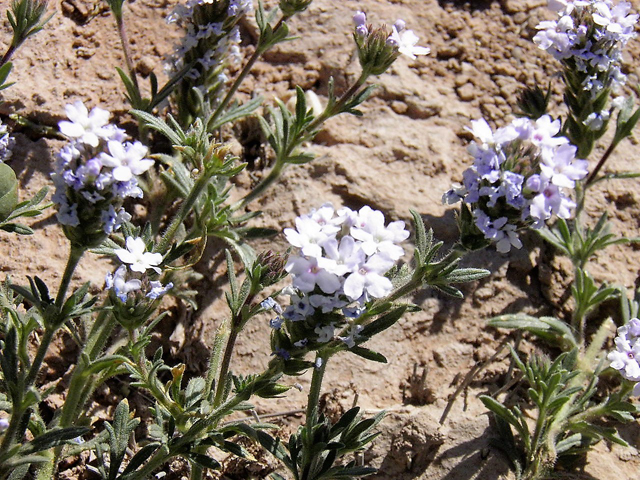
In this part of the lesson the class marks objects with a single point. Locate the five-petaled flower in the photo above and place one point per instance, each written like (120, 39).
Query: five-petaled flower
(137, 257)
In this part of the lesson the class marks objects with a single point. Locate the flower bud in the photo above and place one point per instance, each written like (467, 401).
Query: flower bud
(360, 18)
(269, 268)
(290, 7)
(374, 52)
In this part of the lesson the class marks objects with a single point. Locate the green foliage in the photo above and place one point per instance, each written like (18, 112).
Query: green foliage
(579, 244)
(27, 17)
(317, 451)
(566, 418)
(8, 191)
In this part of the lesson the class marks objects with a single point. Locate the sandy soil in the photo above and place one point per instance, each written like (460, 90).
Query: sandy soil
(404, 152)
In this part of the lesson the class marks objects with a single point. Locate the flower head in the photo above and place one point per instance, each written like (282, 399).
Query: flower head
(137, 257)
(94, 173)
(378, 48)
(521, 176)
(626, 357)
(342, 261)
(406, 41)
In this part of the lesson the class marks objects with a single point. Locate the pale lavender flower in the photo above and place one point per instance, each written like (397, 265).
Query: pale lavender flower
(370, 279)
(158, 289)
(626, 356)
(563, 169)
(308, 236)
(307, 274)
(120, 285)
(375, 237)
(352, 335)
(299, 309)
(327, 303)
(270, 304)
(522, 175)
(341, 258)
(6, 143)
(550, 202)
(137, 257)
(344, 258)
(126, 160)
(325, 332)
(113, 219)
(406, 41)
(88, 127)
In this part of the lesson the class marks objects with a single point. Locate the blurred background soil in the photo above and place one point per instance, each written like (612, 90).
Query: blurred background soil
(402, 154)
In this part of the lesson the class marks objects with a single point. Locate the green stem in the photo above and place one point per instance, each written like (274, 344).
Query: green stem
(314, 390)
(309, 459)
(592, 176)
(240, 78)
(45, 341)
(224, 367)
(7, 55)
(127, 52)
(75, 255)
(185, 208)
(281, 161)
(11, 433)
(77, 394)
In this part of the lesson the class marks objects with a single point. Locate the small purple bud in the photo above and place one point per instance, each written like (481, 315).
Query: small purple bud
(534, 183)
(282, 353)
(276, 323)
(93, 167)
(400, 25)
(392, 42)
(4, 424)
(360, 18)
(362, 30)
(634, 327)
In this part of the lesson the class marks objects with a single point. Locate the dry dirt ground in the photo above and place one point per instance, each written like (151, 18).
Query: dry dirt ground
(404, 152)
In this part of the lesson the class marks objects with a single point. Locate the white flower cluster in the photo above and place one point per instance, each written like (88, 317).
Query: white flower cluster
(6, 143)
(520, 177)
(344, 257)
(139, 260)
(590, 36)
(627, 354)
(96, 170)
(212, 36)
(344, 253)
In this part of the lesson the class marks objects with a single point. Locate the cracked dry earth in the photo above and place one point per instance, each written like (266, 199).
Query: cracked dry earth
(402, 154)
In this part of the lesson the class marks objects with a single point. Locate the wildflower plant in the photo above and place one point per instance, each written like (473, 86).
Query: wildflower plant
(588, 39)
(521, 177)
(535, 174)
(343, 280)
(347, 271)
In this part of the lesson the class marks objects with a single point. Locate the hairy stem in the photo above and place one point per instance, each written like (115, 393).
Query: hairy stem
(605, 157)
(75, 255)
(224, 367)
(122, 31)
(281, 161)
(169, 234)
